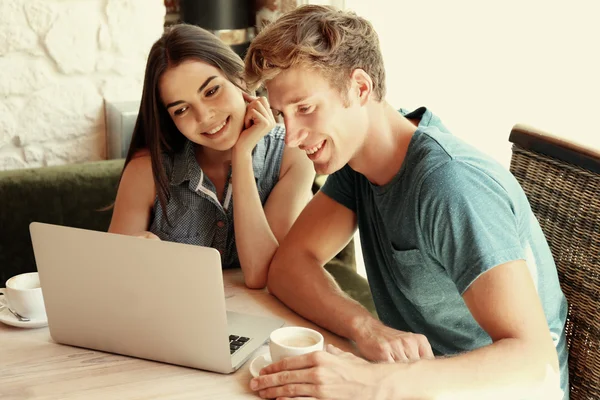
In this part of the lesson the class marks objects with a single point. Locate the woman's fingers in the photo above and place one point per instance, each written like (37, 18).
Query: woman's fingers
(248, 97)
(261, 104)
(264, 110)
(253, 117)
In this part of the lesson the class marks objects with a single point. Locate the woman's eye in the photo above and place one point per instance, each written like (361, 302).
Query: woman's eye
(212, 91)
(180, 111)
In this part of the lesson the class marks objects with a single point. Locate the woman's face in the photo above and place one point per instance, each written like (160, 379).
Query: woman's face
(205, 106)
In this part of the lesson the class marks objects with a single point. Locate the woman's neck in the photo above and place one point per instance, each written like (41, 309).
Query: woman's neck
(210, 159)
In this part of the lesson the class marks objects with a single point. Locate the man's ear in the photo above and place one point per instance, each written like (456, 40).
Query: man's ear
(361, 87)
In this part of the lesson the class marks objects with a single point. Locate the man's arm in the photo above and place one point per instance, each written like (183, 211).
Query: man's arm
(297, 278)
(522, 361)
(520, 364)
(470, 223)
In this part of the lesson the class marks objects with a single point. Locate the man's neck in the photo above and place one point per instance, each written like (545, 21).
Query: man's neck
(383, 152)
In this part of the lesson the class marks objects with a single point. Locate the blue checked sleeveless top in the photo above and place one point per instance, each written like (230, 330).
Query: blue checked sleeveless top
(195, 214)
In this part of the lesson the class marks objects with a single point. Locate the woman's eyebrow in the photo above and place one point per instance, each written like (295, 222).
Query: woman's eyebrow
(206, 82)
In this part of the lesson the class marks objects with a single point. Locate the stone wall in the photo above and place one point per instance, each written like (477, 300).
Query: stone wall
(59, 59)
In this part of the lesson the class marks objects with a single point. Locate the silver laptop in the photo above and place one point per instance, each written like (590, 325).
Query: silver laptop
(144, 298)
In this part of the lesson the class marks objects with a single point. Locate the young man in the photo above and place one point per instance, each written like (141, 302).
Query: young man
(457, 263)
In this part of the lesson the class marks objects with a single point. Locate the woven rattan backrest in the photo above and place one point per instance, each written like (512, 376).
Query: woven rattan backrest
(562, 182)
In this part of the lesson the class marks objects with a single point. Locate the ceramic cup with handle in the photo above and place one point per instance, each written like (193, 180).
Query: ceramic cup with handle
(23, 294)
(292, 341)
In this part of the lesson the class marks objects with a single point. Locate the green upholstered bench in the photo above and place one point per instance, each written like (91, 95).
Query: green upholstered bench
(77, 195)
(70, 195)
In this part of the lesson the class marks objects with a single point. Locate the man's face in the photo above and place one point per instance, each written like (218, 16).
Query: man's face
(317, 120)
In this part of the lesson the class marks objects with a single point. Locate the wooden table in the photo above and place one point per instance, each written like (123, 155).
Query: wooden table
(33, 366)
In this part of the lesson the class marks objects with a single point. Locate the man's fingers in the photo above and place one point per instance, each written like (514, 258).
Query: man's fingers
(410, 350)
(283, 378)
(425, 350)
(388, 354)
(291, 391)
(379, 353)
(333, 350)
(304, 398)
(397, 356)
(290, 363)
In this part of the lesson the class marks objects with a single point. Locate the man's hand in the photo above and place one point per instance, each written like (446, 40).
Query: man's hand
(332, 375)
(378, 342)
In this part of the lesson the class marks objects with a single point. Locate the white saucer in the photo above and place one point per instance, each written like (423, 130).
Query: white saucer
(258, 363)
(9, 319)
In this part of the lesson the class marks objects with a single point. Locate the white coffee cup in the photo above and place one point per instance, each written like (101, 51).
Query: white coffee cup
(294, 341)
(23, 294)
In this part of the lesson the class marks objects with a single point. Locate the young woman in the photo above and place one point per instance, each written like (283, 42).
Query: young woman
(201, 145)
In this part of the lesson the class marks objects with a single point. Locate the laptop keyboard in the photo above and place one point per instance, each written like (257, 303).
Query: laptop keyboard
(236, 343)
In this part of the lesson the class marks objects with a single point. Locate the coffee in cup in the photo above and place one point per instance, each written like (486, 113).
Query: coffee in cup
(294, 341)
(300, 341)
(23, 294)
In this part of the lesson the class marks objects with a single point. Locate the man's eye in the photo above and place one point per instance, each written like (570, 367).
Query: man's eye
(278, 115)
(304, 109)
(212, 91)
(180, 111)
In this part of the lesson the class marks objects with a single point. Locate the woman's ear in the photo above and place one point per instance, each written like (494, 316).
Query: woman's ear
(244, 89)
(243, 86)
(362, 86)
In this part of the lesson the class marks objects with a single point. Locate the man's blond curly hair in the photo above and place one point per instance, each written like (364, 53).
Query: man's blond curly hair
(321, 38)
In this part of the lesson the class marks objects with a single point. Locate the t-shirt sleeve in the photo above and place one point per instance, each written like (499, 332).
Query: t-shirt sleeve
(340, 187)
(468, 222)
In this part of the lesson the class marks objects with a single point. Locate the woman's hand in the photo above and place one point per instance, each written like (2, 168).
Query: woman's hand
(146, 235)
(258, 122)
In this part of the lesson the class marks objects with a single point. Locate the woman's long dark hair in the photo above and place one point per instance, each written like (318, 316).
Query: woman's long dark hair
(154, 129)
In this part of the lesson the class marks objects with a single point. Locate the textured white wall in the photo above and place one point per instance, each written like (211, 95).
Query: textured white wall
(58, 60)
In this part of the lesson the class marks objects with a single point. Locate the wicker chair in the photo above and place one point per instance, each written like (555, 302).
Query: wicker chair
(562, 183)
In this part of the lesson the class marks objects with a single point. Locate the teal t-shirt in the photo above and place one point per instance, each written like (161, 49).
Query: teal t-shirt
(449, 215)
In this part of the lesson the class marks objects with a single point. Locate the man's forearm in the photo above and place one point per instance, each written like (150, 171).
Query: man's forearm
(507, 369)
(306, 287)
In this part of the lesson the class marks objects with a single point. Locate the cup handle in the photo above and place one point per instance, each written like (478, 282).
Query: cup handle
(3, 298)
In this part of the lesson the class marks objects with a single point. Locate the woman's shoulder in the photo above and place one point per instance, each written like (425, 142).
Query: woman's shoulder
(140, 160)
(277, 133)
(137, 175)
(272, 145)
(141, 153)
